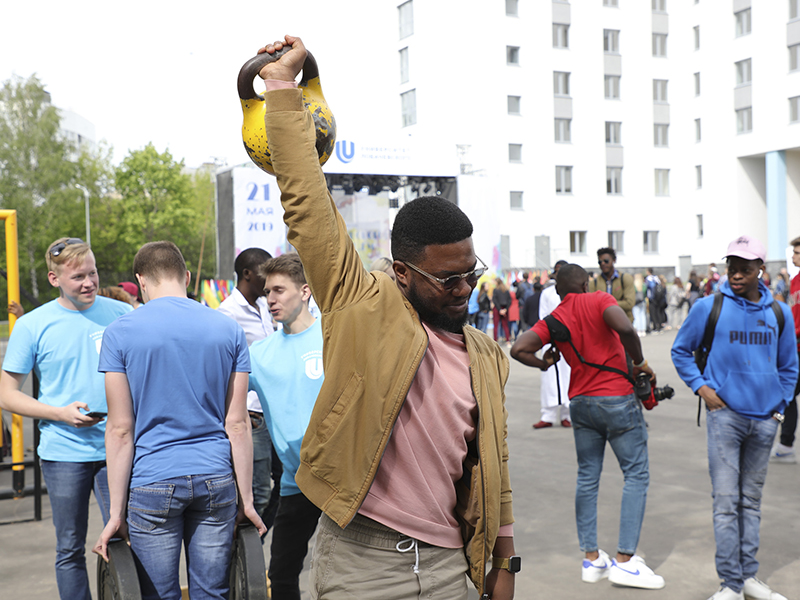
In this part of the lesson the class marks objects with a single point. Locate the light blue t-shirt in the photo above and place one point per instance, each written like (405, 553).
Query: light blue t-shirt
(287, 375)
(178, 356)
(61, 346)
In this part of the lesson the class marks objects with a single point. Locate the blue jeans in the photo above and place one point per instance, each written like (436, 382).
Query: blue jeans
(617, 420)
(196, 510)
(483, 321)
(262, 462)
(738, 456)
(69, 486)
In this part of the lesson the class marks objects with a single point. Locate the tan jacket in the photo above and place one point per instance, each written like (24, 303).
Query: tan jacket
(373, 345)
(621, 288)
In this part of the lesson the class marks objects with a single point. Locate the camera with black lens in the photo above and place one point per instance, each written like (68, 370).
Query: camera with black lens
(649, 395)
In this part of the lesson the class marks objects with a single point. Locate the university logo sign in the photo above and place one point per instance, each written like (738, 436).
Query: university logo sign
(344, 152)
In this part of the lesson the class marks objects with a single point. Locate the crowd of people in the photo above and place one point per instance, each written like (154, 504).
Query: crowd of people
(185, 421)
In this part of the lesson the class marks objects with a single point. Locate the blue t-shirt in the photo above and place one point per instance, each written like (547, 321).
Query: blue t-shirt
(178, 356)
(287, 375)
(61, 346)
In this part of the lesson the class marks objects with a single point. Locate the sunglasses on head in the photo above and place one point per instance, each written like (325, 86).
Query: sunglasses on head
(59, 247)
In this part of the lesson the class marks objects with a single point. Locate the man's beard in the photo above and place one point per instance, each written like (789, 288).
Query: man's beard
(436, 319)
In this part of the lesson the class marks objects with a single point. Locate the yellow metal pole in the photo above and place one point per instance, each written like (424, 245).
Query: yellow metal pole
(12, 268)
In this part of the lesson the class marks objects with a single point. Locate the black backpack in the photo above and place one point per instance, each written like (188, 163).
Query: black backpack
(701, 353)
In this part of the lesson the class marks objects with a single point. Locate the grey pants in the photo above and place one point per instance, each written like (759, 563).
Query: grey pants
(370, 561)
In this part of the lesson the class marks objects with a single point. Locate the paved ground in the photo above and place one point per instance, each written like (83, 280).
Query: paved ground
(677, 539)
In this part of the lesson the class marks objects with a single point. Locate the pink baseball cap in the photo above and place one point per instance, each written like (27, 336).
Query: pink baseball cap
(748, 248)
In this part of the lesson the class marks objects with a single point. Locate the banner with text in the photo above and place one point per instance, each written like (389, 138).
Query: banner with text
(257, 212)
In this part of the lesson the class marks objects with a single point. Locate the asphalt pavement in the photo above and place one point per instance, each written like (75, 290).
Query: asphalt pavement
(677, 538)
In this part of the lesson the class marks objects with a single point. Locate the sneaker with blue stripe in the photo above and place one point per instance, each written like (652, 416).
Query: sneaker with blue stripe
(634, 573)
(593, 571)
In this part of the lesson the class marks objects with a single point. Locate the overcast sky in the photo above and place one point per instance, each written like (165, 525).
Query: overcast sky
(165, 71)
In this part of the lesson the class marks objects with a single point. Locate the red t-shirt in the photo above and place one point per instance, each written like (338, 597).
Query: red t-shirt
(595, 340)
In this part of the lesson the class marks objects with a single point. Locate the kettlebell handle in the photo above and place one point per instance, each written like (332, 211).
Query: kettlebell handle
(252, 67)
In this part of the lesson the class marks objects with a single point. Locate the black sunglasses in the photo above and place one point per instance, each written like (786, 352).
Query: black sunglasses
(604, 261)
(59, 247)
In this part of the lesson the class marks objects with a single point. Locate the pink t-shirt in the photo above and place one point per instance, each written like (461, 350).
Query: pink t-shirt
(413, 491)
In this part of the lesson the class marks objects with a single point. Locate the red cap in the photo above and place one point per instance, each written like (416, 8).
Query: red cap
(130, 287)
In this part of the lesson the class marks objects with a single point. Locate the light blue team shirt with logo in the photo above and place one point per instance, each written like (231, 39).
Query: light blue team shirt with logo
(62, 347)
(286, 372)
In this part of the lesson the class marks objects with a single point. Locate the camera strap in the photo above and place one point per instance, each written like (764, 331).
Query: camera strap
(560, 333)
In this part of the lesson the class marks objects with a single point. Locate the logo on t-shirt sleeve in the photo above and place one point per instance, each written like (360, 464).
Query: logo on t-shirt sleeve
(313, 362)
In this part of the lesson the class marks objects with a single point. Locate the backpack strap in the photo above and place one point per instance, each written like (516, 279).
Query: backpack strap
(560, 333)
(701, 354)
(776, 307)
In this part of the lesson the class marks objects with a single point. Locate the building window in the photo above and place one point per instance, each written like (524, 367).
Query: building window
(697, 130)
(408, 102)
(743, 24)
(660, 90)
(610, 3)
(794, 57)
(611, 41)
(406, 14)
(515, 153)
(744, 120)
(650, 245)
(613, 180)
(700, 226)
(514, 105)
(660, 45)
(697, 84)
(516, 200)
(404, 65)
(744, 73)
(794, 109)
(612, 87)
(794, 9)
(560, 35)
(512, 8)
(697, 37)
(659, 6)
(698, 172)
(577, 242)
(563, 180)
(662, 182)
(563, 130)
(661, 135)
(560, 83)
(613, 133)
(512, 55)
(616, 240)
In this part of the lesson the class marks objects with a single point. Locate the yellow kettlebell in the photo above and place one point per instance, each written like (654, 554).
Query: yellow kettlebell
(254, 134)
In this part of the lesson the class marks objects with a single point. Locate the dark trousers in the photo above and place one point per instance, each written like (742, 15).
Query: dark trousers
(789, 424)
(295, 523)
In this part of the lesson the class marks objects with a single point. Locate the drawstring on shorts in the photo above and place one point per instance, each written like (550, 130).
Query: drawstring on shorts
(412, 545)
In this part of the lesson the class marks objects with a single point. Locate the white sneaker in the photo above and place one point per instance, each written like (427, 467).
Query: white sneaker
(634, 573)
(782, 454)
(755, 589)
(593, 571)
(726, 593)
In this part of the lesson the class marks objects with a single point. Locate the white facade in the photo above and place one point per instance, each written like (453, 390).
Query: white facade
(77, 130)
(469, 75)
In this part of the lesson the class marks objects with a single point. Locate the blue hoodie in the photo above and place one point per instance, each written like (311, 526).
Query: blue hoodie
(752, 370)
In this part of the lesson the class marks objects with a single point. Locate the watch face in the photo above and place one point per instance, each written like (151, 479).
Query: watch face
(514, 564)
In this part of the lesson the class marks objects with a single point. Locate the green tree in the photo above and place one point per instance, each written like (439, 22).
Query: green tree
(34, 165)
(153, 199)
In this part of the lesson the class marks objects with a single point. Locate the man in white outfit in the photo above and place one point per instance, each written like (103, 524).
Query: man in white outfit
(553, 379)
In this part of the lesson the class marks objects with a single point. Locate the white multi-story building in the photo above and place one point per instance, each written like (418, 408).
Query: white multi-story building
(663, 129)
